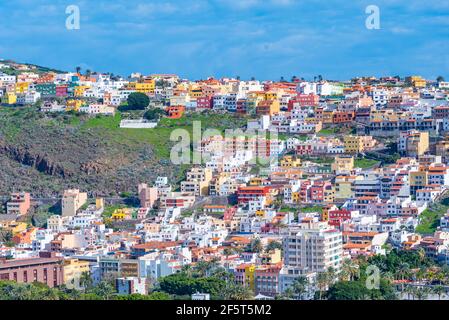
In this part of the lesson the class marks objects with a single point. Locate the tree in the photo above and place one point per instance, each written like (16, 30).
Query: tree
(227, 252)
(440, 79)
(348, 290)
(349, 269)
(78, 70)
(439, 290)
(234, 291)
(321, 280)
(255, 246)
(86, 281)
(137, 101)
(299, 286)
(273, 245)
(154, 114)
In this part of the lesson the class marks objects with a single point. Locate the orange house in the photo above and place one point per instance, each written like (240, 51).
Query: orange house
(175, 112)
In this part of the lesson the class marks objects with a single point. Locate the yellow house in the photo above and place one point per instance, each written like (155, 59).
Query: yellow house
(72, 271)
(246, 272)
(290, 162)
(121, 214)
(342, 164)
(270, 95)
(74, 105)
(146, 87)
(255, 181)
(99, 203)
(79, 90)
(9, 98)
(195, 92)
(343, 186)
(22, 87)
(296, 196)
(353, 144)
(418, 179)
(416, 81)
(272, 257)
(260, 213)
(14, 227)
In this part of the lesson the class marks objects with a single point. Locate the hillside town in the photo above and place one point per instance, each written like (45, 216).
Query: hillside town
(357, 176)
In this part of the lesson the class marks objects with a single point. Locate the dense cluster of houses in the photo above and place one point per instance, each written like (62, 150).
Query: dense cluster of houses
(305, 215)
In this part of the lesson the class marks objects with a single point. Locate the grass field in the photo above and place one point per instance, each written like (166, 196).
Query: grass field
(430, 218)
(365, 163)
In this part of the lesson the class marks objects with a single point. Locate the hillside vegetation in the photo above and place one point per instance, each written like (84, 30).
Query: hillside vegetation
(46, 153)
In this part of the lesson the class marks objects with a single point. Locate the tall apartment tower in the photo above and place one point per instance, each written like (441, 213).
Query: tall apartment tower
(313, 246)
(72, 201)
(147, 195)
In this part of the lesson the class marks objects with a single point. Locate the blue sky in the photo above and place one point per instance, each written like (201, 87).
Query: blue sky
(266, 39)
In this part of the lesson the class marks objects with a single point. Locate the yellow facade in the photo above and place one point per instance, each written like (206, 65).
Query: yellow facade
(74, 105)
(146, 87)
(353, 144)
(416, 81)
(418, 178)
(290, 162)
(249, 276)
(9, 98)
(343, 164)
(79, 90)
(72, 272)
(22, 87)
(270, 95)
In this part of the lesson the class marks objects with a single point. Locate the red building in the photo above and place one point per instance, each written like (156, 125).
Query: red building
(246, 194)
(229, 213)
(47, 269)
(342, 116)
(62, 91)
(175, 112)
(204, 102)
(304, 149)
(336, 217)
(304, 100)
(241, 106)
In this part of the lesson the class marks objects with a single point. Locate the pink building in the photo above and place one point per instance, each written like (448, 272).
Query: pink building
(147, 195)
(46, 269)
(62, 91)
(19, 204)
(204, 102)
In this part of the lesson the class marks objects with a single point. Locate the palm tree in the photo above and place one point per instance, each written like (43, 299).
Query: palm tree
(86, 281)
(422, 293)
(299, 286)
(349, 269)
(331, 275)
(439, 290)
(403, 271)
(227, 252)
(321, 280)
(410, 290)
(421, 254)
(256, 246)
(288, 294)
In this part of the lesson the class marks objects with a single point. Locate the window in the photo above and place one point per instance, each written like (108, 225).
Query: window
(4, 276)
(25, 276)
